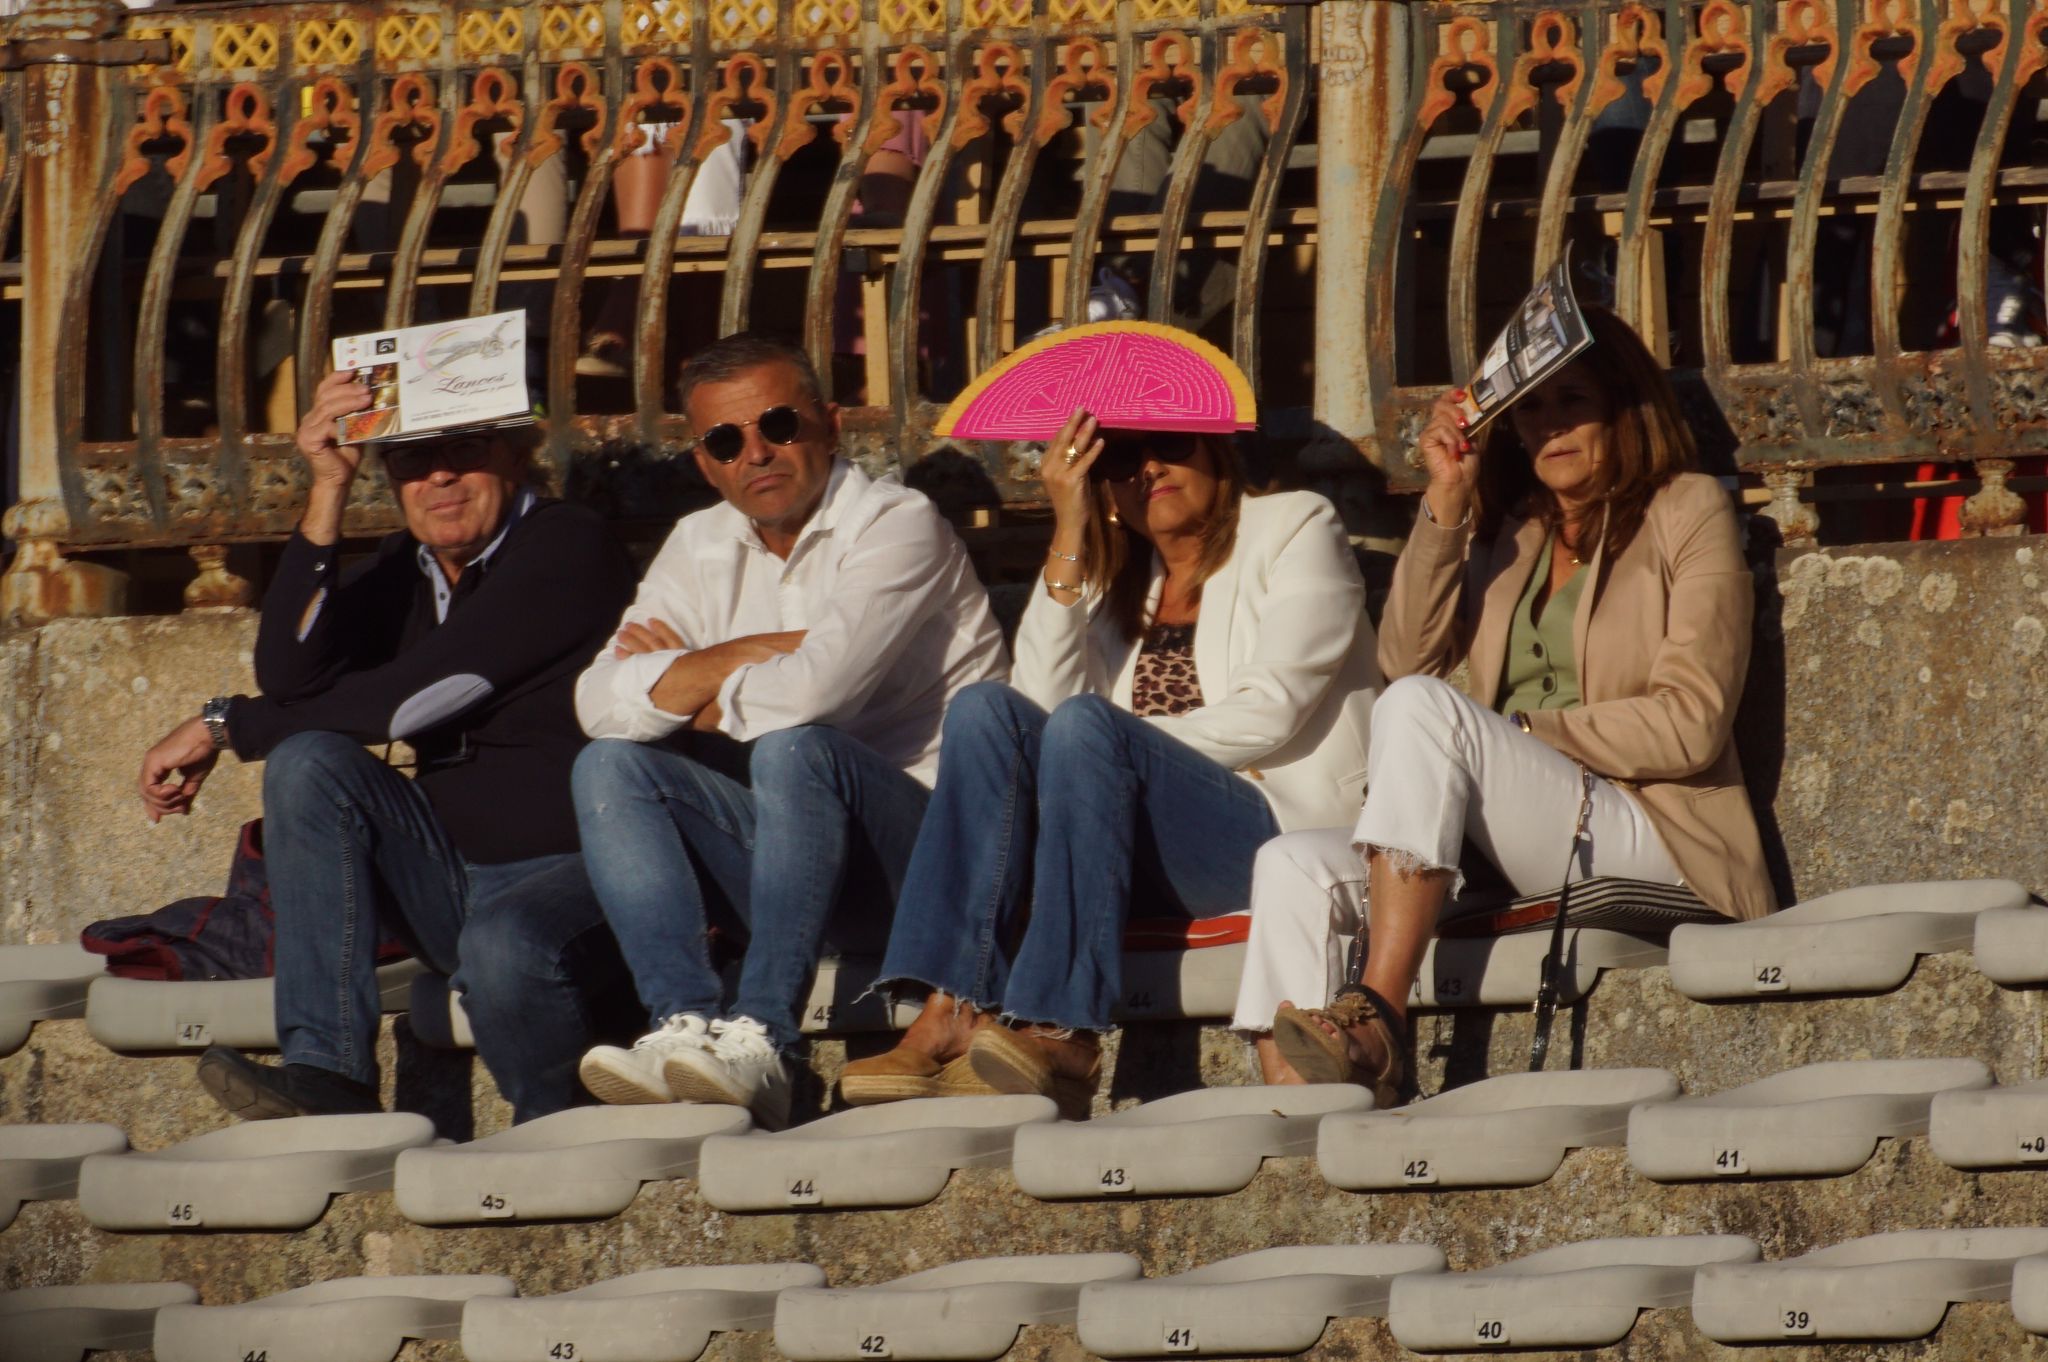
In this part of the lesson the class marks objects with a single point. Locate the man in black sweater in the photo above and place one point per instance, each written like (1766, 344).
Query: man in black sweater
(462, 637)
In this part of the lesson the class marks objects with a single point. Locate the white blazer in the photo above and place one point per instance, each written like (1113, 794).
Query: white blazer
(1284, 652)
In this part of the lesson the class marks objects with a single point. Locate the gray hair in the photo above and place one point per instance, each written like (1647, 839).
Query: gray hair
(730, 356)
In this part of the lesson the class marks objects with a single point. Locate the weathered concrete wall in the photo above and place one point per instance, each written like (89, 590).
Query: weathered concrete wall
(81, 701)
(1898, 719)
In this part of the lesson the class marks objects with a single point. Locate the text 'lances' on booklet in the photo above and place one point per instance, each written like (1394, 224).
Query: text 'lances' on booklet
(439, 379)
(1546, 333)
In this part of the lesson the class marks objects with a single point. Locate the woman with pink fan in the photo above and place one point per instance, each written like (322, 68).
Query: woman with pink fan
(1194, 674)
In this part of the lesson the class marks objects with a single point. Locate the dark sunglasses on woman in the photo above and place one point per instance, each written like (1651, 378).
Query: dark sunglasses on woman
(411, 462)
(1123, 455)
(727, 440)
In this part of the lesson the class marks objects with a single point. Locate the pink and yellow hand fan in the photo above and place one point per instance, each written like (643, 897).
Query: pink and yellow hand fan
(1128, 375)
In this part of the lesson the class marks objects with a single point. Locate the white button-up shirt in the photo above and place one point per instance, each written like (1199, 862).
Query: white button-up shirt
(895, 622)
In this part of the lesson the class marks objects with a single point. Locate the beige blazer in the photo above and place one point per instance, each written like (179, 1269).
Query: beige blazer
(1283, 650)
(1662, 638)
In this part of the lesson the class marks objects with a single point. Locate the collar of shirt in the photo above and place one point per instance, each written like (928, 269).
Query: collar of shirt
(842, 489)
(430, 566)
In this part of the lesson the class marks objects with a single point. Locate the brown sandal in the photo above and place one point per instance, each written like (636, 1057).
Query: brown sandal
(1320, 1057)
(903, 1074)
(1017, 1062)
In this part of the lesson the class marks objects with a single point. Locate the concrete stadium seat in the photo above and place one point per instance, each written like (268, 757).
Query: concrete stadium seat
(350, 1319)
(40, 1163)
(665, 1315)
(2030, 1293)
(583, 1163)
(150, 1014)
(968, 1310)
(260, 1175)
(1856, 941)
(1495, 971)
(1265, 1303)
(64, 1323)
(1886, 1286)
(1991, 1127)
(1818, 1119)
(1584, 1295)
(895, 1155)
(1510, 1131)
(2011, 945)
(1209, 1140)
(1165, 985)
(42, 983)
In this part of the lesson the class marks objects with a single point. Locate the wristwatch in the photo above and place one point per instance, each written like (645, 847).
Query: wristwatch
(214, 714)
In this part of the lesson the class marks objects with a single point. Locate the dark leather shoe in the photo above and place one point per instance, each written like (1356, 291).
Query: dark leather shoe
(261, 1092)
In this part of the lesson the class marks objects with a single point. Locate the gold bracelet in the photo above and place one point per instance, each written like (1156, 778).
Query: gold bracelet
(1067, 557)
(1075, 587)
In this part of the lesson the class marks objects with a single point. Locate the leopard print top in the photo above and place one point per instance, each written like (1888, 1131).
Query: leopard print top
(1165, 682)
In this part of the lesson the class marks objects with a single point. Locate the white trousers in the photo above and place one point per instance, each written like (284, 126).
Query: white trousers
(1441, 769)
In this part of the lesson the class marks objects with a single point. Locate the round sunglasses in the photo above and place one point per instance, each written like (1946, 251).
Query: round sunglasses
(727, 440)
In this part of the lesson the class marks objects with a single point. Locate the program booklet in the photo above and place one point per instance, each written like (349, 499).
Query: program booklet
(439, 379)
(1545, 334)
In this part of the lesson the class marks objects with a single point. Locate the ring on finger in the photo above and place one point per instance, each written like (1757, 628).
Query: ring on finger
(1073, 454)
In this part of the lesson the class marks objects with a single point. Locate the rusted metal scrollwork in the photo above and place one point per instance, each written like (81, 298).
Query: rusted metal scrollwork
(1809, 207)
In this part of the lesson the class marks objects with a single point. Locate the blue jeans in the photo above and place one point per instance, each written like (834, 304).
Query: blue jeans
(350, 843)
(1071, 815)
(778, 837)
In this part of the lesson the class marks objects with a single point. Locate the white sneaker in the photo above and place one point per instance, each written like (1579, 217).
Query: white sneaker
(626, 1077)
(739, 1068)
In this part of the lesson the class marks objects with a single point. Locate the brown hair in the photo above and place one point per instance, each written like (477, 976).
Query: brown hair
(1116, 554)
(1648, 443)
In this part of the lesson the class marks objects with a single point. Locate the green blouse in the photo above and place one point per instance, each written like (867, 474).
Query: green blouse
(1542, 670)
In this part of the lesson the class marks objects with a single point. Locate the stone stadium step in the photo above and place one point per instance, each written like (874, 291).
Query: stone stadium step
(583, 1163)
(1584, 1295)
(40, 1162)
(900, 1154)
(1510, 1131)
(1259, 1304)
(42, 983)
(260, 1175)
(191, 1014)
(1855, 941)
(1885, 1286)
(967, 1310)
(2011, 945)
(1495, 971)
(667, 1314)
(1818, 1119)
(1203, 1142)
(64, 1323)
(350, 1319)
(1991, 1127)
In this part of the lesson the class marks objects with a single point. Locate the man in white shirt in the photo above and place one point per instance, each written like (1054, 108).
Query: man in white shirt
(768, 721)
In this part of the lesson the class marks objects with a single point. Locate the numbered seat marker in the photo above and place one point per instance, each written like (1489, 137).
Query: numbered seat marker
(493, 1206)
(803, 1190)
(1418, 1171)
(1794, 1322)
(874, 1345)
(1771, 979)
(1179, 1338)
(1490, 1333)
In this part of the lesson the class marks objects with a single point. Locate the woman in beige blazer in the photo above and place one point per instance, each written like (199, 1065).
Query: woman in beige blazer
(1194, 673)
(1598, 592)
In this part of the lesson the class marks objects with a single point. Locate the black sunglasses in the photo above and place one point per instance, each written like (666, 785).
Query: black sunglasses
(411, 462)
(1123, 455)
(728, 440)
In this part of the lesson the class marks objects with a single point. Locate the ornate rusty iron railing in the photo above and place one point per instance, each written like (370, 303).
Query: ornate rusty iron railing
(1785, 196)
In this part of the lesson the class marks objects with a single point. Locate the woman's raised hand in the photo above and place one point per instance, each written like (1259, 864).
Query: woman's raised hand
(1064, 471)
(1447, 454)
